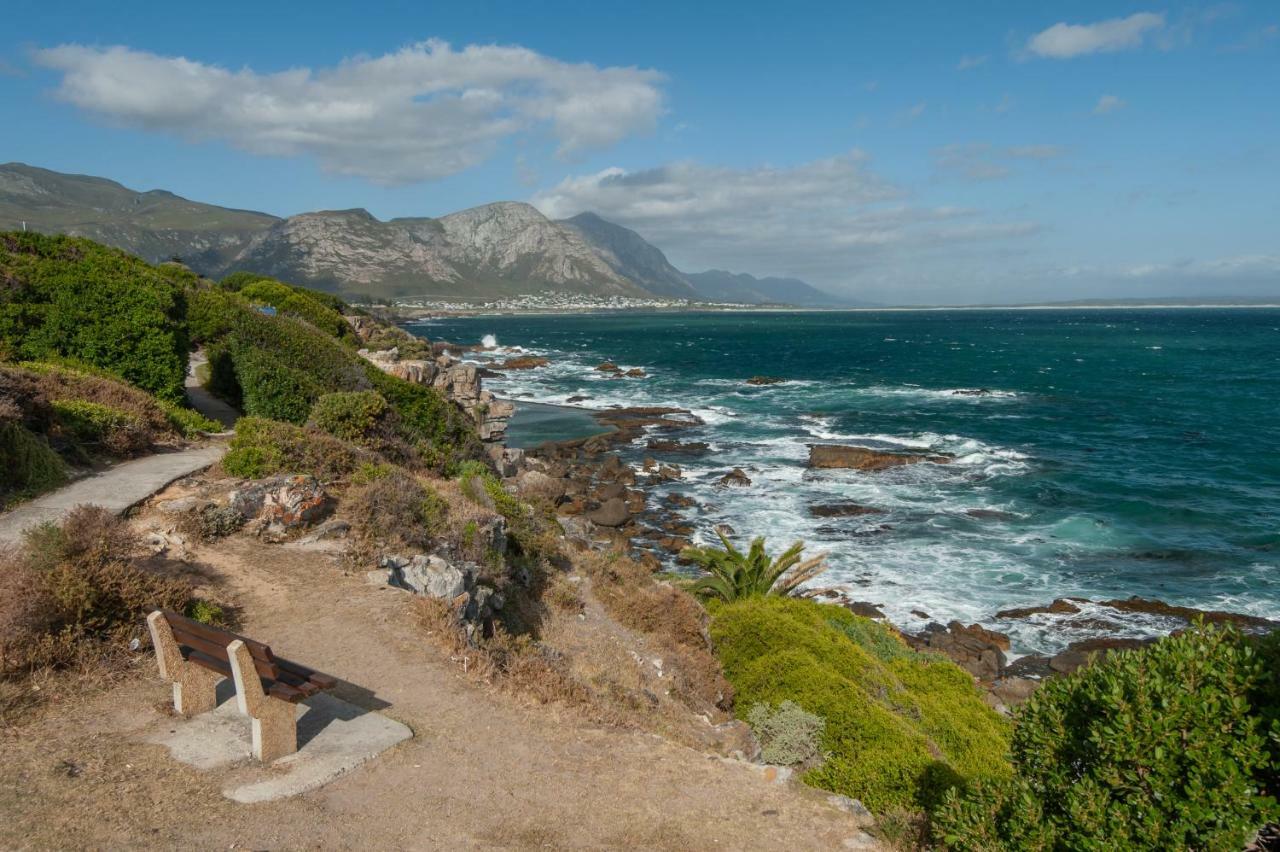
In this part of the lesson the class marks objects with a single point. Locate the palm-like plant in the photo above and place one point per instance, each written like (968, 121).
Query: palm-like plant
(735, 575)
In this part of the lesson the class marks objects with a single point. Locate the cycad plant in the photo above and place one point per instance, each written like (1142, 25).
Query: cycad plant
(735, 575)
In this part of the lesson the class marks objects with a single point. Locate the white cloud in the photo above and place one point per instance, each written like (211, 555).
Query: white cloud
(1108, 103)
(420, 113)
(968, 62)
(980, 161)
(1064, 41)
(826, 220)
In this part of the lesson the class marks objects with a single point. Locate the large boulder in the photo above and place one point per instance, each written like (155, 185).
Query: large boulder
(862, 458)
(280, 504)
(429, 575)
(734, 479)
(612, 513)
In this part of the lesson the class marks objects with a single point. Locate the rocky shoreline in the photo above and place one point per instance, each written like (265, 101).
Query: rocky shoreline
(599, 488)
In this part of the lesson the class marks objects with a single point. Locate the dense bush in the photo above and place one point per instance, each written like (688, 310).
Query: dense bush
(28, 465)
(351, 415)
(1159, 748)
(64, 296)
(264, 447)
(75, 590)
(901, 727)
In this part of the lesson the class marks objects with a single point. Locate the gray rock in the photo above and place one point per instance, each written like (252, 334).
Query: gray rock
(613, 513)
(177, 507)
(428, 575)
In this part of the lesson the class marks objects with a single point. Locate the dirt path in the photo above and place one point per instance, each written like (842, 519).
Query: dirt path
(116, 488)
(482, 771)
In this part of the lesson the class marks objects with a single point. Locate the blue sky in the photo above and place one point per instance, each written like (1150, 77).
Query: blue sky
(903, 152)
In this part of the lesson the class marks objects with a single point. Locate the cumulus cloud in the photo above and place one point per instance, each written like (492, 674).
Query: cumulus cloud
(420, 113)
(828, 220)
(1064, 41)
(1108, 103)
(982, 161)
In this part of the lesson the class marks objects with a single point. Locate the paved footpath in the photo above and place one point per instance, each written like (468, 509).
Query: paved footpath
(116, 488)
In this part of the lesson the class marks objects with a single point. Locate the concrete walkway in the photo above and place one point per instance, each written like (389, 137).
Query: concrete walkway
(116, 488)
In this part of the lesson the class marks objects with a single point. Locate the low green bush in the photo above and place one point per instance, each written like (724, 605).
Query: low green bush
(1158, 748)
(350, 415)
(300, 303)
(94, 425)
(66, 296)
(264, 447)
(188, 422)
(28, 465)
(901, 727)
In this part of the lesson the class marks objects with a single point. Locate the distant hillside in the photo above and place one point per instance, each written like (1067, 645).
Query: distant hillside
(502, 249)
(153, 225)
(499, 249)
(628, 254)
(717, 285)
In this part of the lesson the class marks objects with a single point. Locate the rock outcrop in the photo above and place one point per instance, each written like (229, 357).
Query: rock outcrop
(864, 459)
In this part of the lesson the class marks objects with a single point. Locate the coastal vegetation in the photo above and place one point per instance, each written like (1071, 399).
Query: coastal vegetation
(733, 575)
(1173, 746)
(900, 728)
(65, 297)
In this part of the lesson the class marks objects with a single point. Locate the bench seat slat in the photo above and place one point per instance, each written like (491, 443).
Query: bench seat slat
(277, 688)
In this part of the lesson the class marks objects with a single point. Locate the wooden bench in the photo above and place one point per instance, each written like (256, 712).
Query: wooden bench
(195, 657)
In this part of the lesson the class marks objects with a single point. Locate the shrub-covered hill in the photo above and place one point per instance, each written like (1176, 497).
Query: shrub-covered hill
(900, 727)
(73, 298)
(301, 366)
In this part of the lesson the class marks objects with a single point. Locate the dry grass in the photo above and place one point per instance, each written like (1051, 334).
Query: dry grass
(74, 593)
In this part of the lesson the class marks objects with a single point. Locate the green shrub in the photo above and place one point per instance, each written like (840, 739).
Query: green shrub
(65, 296)
(206, 612)
(28, 466)
(94, 425)
(300, 303)
(789, 735)
(1158, 748)
(901, 727)
(188, 422)
(350, 415)
(265, 447)
(370, 471)
(272, 388)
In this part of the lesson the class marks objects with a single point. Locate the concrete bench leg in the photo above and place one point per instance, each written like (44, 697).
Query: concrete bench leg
(275, 722)
(194, 686)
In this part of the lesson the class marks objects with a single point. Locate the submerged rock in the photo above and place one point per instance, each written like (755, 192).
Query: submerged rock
(734, 479)
(842, 510)
(523, 362)
(765, 380)
(1060, 606)
(862, 458)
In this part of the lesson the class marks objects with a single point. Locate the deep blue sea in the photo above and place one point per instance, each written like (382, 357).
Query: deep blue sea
(1119, 452)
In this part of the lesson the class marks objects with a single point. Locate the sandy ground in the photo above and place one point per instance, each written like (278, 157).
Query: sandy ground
(482, 771)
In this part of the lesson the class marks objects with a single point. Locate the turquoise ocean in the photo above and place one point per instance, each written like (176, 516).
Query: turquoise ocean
(1113, 452)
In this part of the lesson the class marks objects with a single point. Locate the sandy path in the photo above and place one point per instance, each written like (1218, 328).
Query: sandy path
(482, 771)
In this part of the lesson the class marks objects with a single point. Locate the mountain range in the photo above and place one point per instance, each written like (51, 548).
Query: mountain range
(502, 249)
